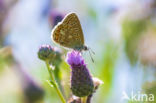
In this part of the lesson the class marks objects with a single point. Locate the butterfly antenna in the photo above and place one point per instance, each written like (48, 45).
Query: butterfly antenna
(92, 51)
(91, 56)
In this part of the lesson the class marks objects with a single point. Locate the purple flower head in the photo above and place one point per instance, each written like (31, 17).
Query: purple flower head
(81, 80)
(74, 58)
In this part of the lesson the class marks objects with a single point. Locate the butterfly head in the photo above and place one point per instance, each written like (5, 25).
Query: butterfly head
(85, 48)
(81, 48)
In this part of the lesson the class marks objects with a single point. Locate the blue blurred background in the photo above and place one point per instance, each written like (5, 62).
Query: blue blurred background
(122, 33)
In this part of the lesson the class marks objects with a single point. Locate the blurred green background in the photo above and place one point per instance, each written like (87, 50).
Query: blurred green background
(122, 33)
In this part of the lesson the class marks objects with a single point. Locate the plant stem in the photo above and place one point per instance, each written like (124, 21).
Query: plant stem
(58, 79)
(83, 99)
(54, 82)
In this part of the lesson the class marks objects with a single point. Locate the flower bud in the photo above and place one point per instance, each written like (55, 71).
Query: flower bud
(46, 52)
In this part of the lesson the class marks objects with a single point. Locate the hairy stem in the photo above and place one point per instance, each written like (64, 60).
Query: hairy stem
(54, 82)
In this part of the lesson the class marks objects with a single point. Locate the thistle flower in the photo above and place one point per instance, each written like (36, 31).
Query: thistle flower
(97, 82)
(81, 80)
(46, 52)
(52, 58)
(53, 55)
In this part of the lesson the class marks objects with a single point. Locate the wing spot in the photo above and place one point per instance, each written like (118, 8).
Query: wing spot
(77, 39)
(69, 36)
(62, 33)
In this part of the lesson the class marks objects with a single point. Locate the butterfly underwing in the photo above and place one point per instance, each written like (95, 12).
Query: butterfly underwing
(68, 33)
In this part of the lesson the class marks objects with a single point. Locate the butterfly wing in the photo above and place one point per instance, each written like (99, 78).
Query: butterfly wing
(69, 33)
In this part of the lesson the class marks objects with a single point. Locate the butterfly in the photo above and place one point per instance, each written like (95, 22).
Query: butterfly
(68, 33)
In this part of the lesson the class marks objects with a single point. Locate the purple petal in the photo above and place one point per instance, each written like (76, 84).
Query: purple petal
(74, 58)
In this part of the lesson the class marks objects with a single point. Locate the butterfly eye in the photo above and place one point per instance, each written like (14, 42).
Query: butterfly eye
(85, 48)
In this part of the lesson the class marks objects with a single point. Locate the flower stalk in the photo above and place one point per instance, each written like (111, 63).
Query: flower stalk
(84, 100)
(51, 56)
(54, 82)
